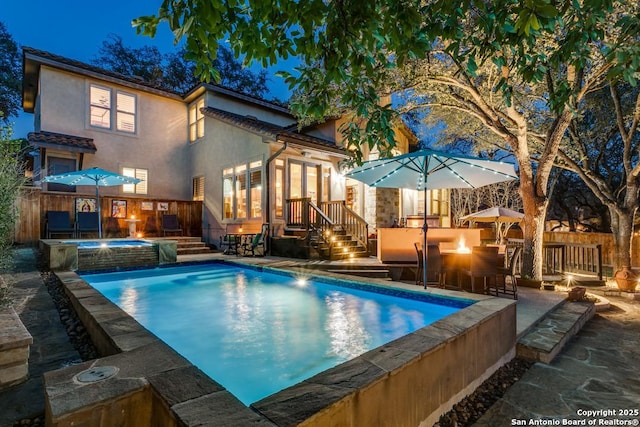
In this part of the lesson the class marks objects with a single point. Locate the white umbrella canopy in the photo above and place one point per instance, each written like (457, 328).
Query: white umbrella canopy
(95, 177)
(494, 214)
(502, 217)
(431, 170)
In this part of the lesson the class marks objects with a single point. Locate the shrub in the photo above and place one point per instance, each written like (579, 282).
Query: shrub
(11, 181)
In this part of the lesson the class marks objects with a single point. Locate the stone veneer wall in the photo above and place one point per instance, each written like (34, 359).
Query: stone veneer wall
(98, 259)
(68, 256)
(410, 381)
(382, 206)
(14, 349)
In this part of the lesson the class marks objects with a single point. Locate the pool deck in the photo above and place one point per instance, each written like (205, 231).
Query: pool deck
(51, 348)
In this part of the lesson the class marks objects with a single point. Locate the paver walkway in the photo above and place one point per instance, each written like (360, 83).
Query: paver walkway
(597, 371)
(51, 348)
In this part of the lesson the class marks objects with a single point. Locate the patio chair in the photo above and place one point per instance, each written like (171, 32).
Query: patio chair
(59, 222)
(150, 226)
(435, 272)
(259, 241)
(170, 224)
(483, 265)
(112, 227)
(87, 223)
(510, 286)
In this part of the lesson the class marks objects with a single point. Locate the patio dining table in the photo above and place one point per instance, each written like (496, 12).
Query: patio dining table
(454, 261)
(235, 242)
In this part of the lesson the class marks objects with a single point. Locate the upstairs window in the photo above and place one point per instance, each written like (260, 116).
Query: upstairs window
(139, 188)
(102, 112)
(126, 113)
(100, 109)
(196, 121)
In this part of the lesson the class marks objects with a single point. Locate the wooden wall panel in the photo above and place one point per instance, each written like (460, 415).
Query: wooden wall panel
(35, 203)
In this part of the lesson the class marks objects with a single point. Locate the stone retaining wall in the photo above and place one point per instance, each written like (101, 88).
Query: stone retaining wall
(15, 341)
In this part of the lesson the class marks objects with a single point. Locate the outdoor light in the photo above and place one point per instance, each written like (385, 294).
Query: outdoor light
(139, 235)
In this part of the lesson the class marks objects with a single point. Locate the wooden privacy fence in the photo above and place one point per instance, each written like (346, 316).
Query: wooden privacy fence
(34, 204)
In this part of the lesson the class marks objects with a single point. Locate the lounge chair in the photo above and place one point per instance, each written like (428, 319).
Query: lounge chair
(170, 224)
(87, 223)
(59, 222)
(259, 241)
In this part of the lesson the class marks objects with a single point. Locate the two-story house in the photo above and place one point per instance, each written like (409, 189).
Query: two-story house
(244, 158)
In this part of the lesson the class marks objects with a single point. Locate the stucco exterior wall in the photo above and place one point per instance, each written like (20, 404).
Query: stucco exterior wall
(223, 146)
(159, 145)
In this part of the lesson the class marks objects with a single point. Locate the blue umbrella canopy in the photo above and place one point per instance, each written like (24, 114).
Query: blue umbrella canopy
(95, 177)
(431, 170)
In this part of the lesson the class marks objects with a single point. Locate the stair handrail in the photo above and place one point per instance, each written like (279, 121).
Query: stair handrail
(297, 211)
(320, 223)
(355, 225)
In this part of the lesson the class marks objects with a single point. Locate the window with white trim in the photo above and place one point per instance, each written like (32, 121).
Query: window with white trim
(102, 112)
(196, 121)
(242, 191)
(100, 106)
(139, 188)
(198, 188)
(125, 112)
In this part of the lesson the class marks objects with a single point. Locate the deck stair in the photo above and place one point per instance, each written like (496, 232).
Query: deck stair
(544, 340)
(340, 246)
(189, 245)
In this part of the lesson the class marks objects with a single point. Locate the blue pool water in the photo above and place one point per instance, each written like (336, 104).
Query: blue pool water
(256, 332)
(95, 244)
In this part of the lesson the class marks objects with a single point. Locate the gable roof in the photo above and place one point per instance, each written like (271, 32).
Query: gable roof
(32, 59)
(269, 130)
(61, 141)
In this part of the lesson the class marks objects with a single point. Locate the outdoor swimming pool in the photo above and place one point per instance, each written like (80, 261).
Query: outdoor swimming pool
(260, 332)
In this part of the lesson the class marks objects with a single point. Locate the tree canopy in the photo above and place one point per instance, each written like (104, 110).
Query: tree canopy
(174, 70)
(349, 49)
(513, 74)
(10, 75)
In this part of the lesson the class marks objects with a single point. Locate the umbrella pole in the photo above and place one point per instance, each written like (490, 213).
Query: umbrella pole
(99, 214)
(425, 228)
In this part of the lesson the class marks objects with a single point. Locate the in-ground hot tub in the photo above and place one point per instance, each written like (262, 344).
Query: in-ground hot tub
(102, 254)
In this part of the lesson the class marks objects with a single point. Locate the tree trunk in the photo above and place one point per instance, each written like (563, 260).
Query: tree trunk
(533, 232)
(622, 228)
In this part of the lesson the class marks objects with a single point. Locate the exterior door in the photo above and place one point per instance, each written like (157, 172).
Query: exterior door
(303, 182)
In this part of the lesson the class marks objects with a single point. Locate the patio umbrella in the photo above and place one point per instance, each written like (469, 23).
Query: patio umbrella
(95, 177)
(498, 215)
(430, 170)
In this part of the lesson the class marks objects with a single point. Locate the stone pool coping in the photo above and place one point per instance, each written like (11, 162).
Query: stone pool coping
(396, 382)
